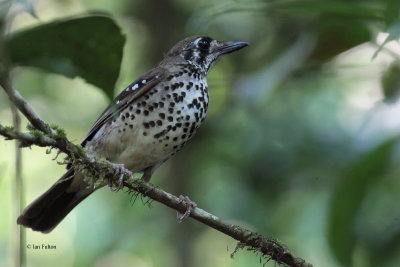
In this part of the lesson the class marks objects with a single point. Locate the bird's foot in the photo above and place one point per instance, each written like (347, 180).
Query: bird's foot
(123, 173)
(190, 206)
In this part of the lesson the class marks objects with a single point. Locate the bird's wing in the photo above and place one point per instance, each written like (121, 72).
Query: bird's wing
(134, 91)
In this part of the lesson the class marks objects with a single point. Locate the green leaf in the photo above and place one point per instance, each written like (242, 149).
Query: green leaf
(89, 46)
(390, 82)
(392, 11)
(394, 34)
(348, 197)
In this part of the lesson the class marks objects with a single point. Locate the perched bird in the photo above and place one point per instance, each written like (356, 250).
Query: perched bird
(146, 124)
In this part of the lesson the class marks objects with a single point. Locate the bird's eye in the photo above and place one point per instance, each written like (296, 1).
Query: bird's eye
(204, 44)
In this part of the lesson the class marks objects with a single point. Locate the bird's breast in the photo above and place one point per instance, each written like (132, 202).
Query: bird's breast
(156, 126)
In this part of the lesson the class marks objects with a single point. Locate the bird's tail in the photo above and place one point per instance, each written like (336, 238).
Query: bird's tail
(48, 210)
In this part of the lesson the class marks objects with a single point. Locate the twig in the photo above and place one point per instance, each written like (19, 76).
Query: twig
(20, 255)
(268, 247)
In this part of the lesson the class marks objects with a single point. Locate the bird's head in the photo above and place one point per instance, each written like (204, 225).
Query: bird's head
(202, 51)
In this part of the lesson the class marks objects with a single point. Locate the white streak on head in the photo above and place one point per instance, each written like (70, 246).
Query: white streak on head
(144, 81)
(135, 87)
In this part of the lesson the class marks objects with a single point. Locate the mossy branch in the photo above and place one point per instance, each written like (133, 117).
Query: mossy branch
(100, 170)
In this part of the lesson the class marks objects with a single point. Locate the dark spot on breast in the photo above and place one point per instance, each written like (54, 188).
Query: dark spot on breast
(144, 134)
(138, 111)
(171, 110)
(146, 112)
(161, 104)
(132, 117)
(175, 139)
(162, 115)
(166, 87)
(169, 118)
(131, 126)
(159, 122)
(152, 123)
(146, 125)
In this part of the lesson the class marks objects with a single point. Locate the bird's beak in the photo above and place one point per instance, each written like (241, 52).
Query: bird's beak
(230, 47)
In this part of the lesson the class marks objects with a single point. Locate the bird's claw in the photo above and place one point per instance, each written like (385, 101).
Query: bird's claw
(123, 173)
(190, 206)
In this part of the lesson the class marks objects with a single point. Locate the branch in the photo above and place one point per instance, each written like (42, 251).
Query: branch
(94, 168)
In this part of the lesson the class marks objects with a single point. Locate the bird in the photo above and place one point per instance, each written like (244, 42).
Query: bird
(145, 125)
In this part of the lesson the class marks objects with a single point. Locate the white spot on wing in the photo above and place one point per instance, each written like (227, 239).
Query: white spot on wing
(135, 87)
(144, 81)
(117, 102)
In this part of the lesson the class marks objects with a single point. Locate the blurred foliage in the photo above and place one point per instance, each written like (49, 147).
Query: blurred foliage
(391, 82)
(298, 143)
(349, 195)
(53, 46)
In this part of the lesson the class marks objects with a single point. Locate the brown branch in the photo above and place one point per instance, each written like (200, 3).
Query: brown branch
(48, 137)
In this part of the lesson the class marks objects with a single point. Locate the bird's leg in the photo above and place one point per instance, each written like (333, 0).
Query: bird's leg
(123, 172)
(147, 173)
(190, 206)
